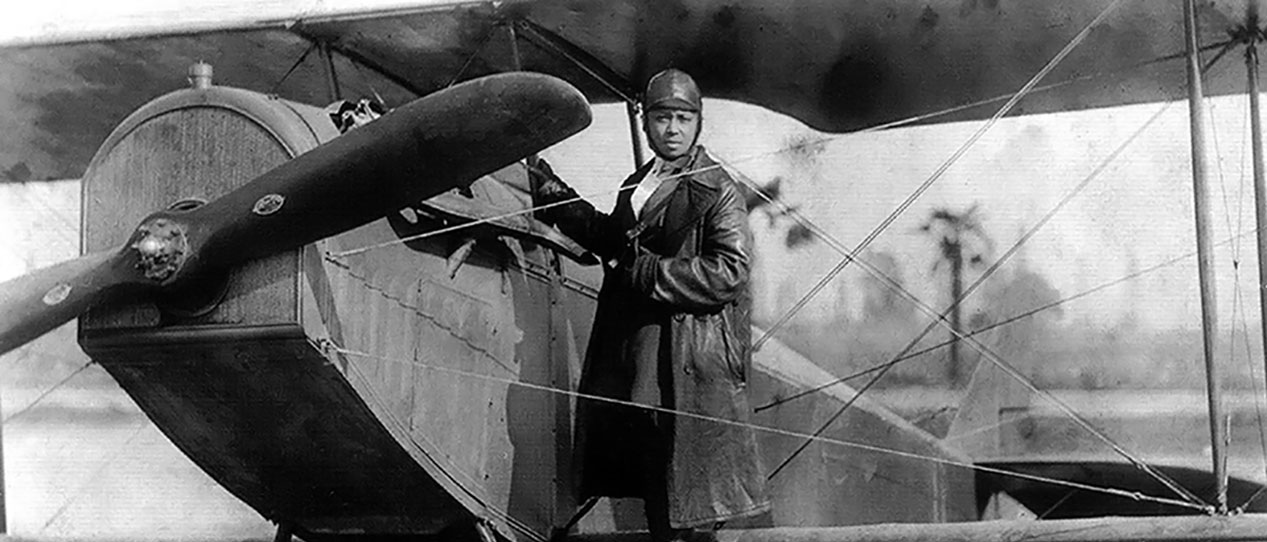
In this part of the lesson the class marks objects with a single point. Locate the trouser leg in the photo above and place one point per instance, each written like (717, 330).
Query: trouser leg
(655, 461)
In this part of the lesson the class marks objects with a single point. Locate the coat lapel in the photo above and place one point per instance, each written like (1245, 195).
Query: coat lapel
(672, 208)
(680, 215)
(653, 211)
(687, 206)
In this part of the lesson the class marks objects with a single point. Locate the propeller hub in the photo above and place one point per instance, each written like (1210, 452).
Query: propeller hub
(162, 247)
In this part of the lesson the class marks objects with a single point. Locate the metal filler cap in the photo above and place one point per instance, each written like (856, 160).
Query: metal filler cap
(200, 75)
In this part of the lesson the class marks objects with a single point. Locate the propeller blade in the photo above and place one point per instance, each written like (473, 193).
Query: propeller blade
(438, 142)
(36, 303)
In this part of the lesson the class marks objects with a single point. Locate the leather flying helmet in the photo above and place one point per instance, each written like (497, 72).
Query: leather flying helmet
(672, 89)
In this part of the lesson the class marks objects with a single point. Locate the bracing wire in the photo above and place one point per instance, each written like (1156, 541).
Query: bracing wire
(758, 156)
(1014, 99)
(293, 67)
(479, 50)
(39, 398)
(940, 319)
(937, 174)
(1249, 359)
(840, 266)
(114, 456)
(535, 37)
(1057, 504)
(368, 82)
(1227, 216)
(1237, 310)
(1001, 323)
(450, 474)
(61, 232)
(986, 352)
(1133, 495)
(1014, 249)
(401, 303)
(1236, 264)
(1257, 395)
(495, 218)
(28, 351)
(1036, 90)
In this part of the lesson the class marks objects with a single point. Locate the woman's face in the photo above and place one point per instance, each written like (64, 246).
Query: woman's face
(672, 132)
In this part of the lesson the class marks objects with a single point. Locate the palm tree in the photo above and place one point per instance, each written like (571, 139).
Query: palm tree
(960, 236)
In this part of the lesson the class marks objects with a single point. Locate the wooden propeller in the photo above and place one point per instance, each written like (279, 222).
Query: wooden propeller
(438, 142)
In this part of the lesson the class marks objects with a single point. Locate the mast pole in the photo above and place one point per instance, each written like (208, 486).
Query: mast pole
(1205, 259)
(635, 133)
(332, 77)
(1256, 136)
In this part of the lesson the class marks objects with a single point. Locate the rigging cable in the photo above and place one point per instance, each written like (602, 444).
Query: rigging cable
(68, 223)
(1249, 359)
(754, 157)
(1026, 314)
(466, 224)
(1015, 98)
(1258, 410)
(1133, 495)
(994, 358)
(46, 393)
(991, 356)
(450, 474)
(1236, 264)
(1238, 308)
(940, 318)
(534, 35)
(822, 283)
(984, 350)
(1059, 502)
(1001, 323)
(369, 285)
(479, 50)
(941, 170)
(366, 79)
(758, 156)
(293, 67)
(114, 456)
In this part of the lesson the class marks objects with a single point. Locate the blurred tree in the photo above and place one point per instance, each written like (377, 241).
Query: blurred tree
(960, 238)
(798, 233)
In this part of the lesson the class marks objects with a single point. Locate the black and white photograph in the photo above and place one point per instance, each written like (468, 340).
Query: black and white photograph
(632, 270)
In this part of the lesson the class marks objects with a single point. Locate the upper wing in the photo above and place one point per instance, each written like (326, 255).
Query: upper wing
(835, 65)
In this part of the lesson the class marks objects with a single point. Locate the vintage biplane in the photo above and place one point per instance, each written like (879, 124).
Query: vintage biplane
(368, 334)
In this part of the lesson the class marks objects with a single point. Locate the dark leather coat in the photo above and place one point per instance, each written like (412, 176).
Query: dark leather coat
(679, 297)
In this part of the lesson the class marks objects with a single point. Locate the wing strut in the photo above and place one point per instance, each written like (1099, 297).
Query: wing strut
(615, 82)
(332, 77)
(1251, 33)
(1205, 256)
(635, 134)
